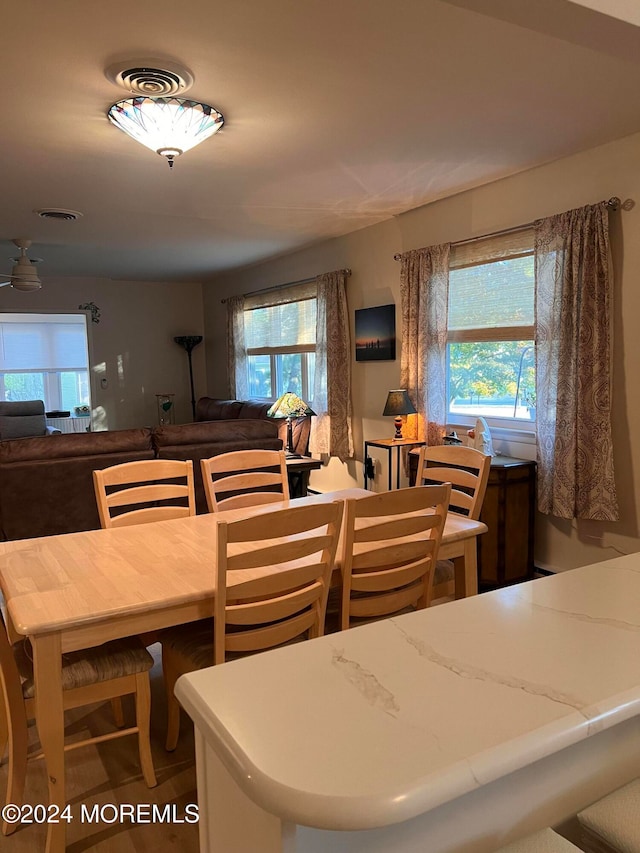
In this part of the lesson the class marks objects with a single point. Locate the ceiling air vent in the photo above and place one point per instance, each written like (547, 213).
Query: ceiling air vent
(153, 79)
(58, 213)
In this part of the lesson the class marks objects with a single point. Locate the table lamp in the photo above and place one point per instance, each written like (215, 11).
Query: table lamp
(289, 406)
(398, 404)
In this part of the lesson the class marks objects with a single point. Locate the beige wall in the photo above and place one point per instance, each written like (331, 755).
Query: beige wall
(132, 346)
(613, 169)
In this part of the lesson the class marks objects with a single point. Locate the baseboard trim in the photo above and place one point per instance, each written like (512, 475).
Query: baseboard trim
(537, 570)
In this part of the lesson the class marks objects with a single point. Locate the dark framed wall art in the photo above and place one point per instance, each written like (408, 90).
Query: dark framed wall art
(376, 333)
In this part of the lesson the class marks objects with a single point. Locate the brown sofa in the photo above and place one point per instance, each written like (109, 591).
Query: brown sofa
(213, 409)
(46, 483)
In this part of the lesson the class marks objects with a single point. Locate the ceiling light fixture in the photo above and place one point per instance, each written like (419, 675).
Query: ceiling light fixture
(168, 126)
(23, 276)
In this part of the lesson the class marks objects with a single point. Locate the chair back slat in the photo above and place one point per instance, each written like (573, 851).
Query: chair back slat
(394, 554)
(279, 553)
(141, 483)
(251, 499)
(149, 514)
(379, 606)
(384, 578)
(269, 636)
(148, 493)
(390, 549)
(408, 525)
(240, 478)
(272, 584)
(274, 609)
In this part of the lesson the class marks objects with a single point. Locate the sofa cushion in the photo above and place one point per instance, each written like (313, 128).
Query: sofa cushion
(212, 409)
(254, 409)
(206, 432)
(67, 445)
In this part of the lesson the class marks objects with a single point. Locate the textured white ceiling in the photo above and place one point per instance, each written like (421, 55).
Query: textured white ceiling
(339, 114)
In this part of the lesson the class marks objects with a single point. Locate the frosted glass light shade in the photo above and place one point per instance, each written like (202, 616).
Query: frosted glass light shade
(168, 126)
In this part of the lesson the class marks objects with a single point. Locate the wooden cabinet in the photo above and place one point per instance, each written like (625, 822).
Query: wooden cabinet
(505, 553)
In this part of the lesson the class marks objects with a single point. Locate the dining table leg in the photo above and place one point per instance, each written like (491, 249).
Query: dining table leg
(47, 670)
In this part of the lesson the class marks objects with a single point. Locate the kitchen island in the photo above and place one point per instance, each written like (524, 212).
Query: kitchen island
(450, 730)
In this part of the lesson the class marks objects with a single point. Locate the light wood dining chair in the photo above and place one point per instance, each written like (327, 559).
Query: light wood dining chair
(280, 566)
(468, 472)
(150, 482)
(390, 548)
(247, 477)
(110, 671)
(141, 492)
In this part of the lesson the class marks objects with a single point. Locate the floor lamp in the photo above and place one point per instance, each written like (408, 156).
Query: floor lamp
(189, 343)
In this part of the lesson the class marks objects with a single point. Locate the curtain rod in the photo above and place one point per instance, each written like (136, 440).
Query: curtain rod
(613, 204)
(347, 272)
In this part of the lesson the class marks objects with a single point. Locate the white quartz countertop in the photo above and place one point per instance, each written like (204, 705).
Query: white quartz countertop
(378, 724)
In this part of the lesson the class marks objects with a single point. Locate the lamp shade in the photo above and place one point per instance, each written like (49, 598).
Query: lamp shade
(398, 404)
(289, 405)
(168, 126)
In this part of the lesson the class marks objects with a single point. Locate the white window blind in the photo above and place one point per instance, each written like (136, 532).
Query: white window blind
(43, 342)
(281, 319)
(491, 284)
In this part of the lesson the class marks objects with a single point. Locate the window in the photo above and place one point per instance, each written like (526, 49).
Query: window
(490, 339)
(45, 357)
(280, 337)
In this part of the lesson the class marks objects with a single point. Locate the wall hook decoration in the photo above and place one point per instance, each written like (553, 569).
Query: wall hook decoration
(93, 308)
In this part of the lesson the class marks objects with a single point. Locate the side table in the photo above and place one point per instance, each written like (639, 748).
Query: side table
(388, 444)
(298, 470)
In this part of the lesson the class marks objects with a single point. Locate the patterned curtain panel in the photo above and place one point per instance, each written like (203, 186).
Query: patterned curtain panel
(573, 365)
(331, 432)
(236, 349)
(424, 291)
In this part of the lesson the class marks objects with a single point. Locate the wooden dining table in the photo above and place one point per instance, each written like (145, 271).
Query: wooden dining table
(80, 590)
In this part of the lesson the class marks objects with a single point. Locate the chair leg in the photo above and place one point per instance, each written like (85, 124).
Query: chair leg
(171, 674)
(118, 713)
(4, 726)
(17, 770)
(143, 716)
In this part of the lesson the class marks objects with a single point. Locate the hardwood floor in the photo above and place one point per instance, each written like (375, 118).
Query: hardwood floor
(110, 773)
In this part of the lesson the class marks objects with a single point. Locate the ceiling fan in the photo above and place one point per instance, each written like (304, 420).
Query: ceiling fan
(23, 276)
